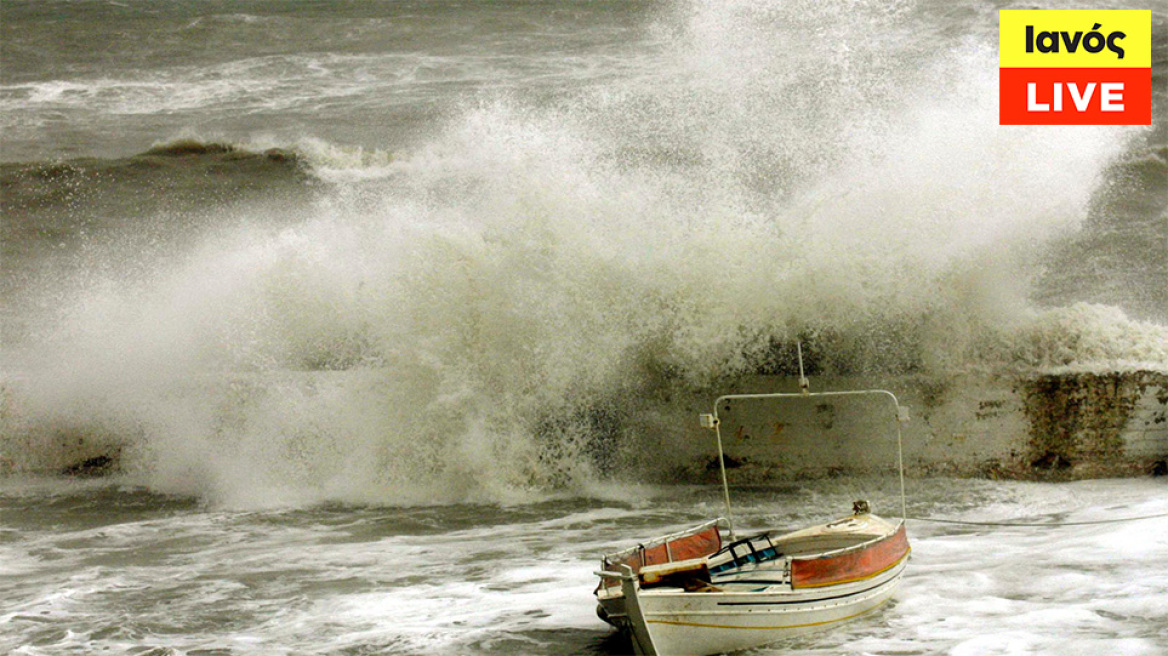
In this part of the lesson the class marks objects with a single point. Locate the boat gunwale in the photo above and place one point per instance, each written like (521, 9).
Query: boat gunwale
(790, 559)
(809, 592)
(843, 551)
(718, 522)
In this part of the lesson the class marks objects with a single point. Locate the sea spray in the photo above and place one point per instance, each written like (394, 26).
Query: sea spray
(516, 305)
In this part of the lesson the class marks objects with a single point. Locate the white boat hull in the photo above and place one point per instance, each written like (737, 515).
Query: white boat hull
(669, 622)
(761, 589)
(686, 594)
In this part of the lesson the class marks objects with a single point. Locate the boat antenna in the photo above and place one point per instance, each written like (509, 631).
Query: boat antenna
(804, 384)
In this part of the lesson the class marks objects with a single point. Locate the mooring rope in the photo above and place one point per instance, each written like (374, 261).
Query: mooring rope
(1038, 524)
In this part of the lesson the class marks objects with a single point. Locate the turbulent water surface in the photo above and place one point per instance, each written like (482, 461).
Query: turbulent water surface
(109, 568)
(380, 314)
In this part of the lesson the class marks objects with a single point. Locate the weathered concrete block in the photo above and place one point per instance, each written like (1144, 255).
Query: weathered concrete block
(1061, 425)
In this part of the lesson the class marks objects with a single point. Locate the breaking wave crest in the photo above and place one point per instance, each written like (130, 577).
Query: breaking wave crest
(517, 306)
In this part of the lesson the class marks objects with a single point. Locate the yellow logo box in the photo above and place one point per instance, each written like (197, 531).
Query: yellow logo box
(1075, 38)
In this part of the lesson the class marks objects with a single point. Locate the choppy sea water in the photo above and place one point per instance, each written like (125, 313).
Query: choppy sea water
(380, 306)
(107, 567)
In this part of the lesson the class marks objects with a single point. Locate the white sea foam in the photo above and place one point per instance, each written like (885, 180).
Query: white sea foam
(472, 319)
(518, 579)
(260, 84)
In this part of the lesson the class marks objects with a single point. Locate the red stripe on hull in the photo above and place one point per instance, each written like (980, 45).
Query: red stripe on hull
(687, 547)
(854, 566)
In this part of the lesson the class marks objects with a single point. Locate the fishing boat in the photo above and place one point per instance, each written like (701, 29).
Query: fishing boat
(705, 591)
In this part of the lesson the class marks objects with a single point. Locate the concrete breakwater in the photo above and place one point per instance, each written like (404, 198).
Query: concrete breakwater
(1036, 426)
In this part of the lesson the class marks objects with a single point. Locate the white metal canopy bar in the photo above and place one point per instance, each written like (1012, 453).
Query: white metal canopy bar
(900, 416)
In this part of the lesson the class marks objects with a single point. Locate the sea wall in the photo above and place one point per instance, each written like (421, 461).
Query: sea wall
(1039, 426)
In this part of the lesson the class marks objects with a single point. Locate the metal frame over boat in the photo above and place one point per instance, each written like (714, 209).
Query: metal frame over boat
(689, 594)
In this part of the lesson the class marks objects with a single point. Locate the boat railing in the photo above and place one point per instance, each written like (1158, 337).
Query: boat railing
(859, 546)
(621, 555)
(698, 541)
